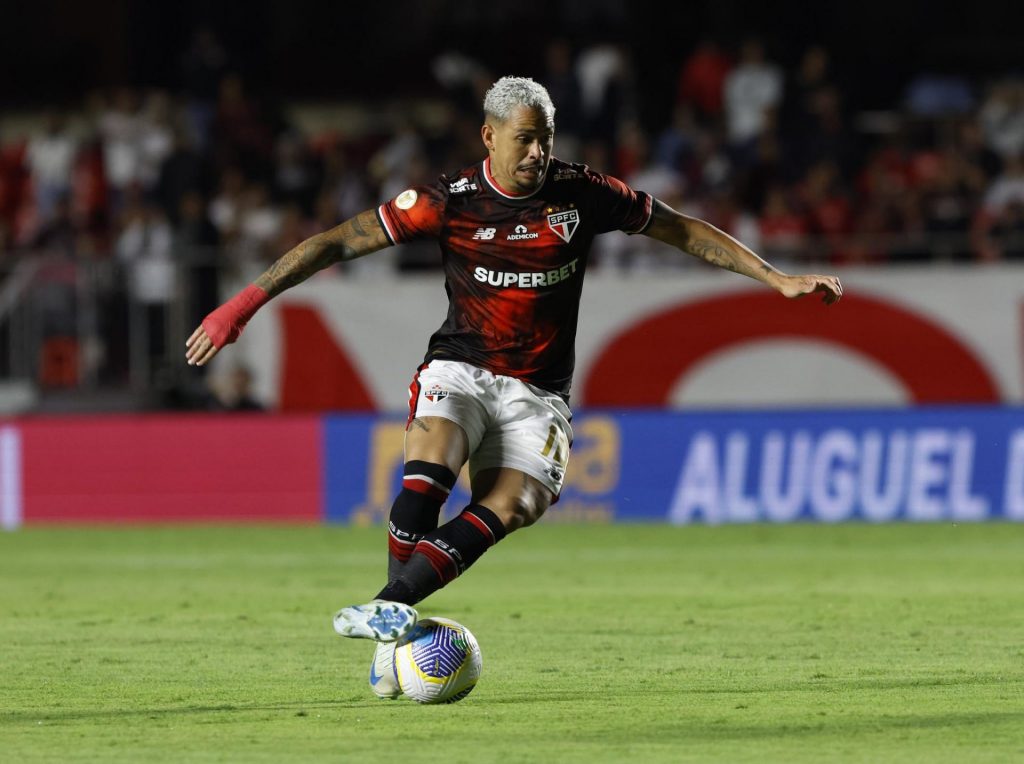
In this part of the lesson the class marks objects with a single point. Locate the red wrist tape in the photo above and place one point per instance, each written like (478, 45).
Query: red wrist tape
(224, 324)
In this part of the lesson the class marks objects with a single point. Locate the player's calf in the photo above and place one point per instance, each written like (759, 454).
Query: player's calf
(425, 488)
(444, 554)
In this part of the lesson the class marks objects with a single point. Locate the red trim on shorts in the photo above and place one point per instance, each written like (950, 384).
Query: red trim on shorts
(414, 394)
(479, 524)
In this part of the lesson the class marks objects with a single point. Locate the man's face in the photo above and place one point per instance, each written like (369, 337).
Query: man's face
(520, 148)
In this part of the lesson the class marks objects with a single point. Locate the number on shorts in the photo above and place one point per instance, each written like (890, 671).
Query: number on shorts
(555, 441)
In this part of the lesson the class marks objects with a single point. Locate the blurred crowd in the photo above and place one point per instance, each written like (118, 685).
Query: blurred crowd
(218, 177)
(776, 157)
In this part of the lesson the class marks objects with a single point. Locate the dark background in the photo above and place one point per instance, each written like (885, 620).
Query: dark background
(53, 51)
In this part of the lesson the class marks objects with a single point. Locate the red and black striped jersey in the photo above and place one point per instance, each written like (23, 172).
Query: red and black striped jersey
(513, 264)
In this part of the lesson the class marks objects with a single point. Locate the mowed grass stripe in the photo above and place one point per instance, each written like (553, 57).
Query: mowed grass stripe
(601, 643)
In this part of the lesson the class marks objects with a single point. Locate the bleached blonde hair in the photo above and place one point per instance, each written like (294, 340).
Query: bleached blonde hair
(509, 92)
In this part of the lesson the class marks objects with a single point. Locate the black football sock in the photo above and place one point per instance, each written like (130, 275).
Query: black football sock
(444, 554)
(425, 487)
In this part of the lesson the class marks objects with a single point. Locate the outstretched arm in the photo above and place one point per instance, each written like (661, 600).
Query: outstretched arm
(354, 238)
(703, 240)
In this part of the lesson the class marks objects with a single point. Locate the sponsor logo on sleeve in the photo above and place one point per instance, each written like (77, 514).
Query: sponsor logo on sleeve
(461, 186)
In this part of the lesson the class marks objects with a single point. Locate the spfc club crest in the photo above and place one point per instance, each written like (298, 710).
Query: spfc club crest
(564, 223)
(436, 394)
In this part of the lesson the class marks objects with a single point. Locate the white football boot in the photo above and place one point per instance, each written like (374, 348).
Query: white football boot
(383, 680)
(379, 620)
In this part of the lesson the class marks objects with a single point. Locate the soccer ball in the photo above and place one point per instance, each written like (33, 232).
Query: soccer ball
(438, 661)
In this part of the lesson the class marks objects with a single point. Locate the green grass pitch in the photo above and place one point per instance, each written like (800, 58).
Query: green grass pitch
(601, 643)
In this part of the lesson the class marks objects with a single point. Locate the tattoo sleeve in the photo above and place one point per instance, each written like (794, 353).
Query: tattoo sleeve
(703, 240)
(714, 253)
(354, 238)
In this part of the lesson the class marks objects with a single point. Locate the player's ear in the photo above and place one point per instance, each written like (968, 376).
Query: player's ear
(487, 134)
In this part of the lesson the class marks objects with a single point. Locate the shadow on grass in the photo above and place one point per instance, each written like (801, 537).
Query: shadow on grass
(716, 729)
(300, 708)
(834, 726)
(829, 683)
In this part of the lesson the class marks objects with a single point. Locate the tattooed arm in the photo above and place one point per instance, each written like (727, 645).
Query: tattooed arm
(354, 238)
(703, 240)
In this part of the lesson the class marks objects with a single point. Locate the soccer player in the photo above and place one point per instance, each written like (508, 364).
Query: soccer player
(514, 232)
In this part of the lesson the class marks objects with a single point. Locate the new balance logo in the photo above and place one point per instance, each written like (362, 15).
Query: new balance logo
(484, 234)
(522, 232)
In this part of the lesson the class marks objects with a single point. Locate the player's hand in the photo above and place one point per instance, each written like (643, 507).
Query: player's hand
(798, 286)
(199, 348)
(223, 325)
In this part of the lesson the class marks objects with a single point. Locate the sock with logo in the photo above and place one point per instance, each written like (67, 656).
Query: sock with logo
(442, 555)
(425, 487)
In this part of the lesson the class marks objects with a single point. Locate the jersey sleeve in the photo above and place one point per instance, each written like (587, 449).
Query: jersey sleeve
(416, 213)
(618, 206)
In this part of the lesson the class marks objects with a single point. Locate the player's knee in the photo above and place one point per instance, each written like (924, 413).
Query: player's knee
(532, 511)
(519, 511)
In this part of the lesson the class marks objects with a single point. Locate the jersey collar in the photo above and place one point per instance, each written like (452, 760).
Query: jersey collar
(503, 193)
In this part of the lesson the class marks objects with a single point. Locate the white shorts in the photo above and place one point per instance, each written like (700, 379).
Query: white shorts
(509, 423)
